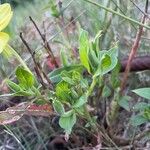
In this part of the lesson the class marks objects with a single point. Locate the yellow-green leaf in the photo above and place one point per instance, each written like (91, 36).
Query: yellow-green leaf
(3, 40)
(5, 15)
(9, 51)
(84, 49)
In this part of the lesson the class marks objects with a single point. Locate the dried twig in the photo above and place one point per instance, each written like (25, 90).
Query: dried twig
(38, 69)
(133, 52)
(146, 14)
(46, 44)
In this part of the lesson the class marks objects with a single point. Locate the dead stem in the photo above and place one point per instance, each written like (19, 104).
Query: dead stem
(38, 69)
(46, 44)
(133, 52)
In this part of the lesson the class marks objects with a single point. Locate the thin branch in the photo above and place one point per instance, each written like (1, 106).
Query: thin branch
(36, 68)
(142, 134)
(56, 34)
(146, 14)
(118, 14)
(46, 44)
(133, 52)
(122, 12)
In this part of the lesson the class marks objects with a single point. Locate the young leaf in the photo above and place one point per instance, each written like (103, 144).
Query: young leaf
(147, 113)
(84, 49)
(138, 120)
(54, 10)
(24, 93)
(108, 61)
(13, 86)
(58, 107)
(124, 102)
(93, 60)
(63, 57)
(82, 100)
(66, 76)
(9, 51)
(106, 91)
(63, 90)
(67, 121)
(25, 78)
(141, 106)
(55, 76)
(143, 92)
(76, 76)
(104, 66)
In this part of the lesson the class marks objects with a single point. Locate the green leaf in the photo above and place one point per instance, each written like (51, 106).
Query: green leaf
(67, 121)
(106, 92)
(64, 59)
(96, 41)
(54, 10)
(74, 95)
(143, 92)
(104, 65)
(58, 107)
(66, 76)
(9, 51)
(138, 120)
(82, 100)
(55, 76)
(84, 83)
(93, 60)
(68, 113)
(63, 91)
(13, 86)
(108, 61)
(76, 76)
(141, 106)
(25, 78)
(68, 80)
(24, 93)
(147, 113)
(18, 90)
(124, 102)
(84, 49)
(115, 82)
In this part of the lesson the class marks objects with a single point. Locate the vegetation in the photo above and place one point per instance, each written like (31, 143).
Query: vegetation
(66, 81)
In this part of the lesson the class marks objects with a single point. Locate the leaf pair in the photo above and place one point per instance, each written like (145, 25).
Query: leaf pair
(26, 83)
(143, 107)
(95, 61)
(68, 119)
(107, 61)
